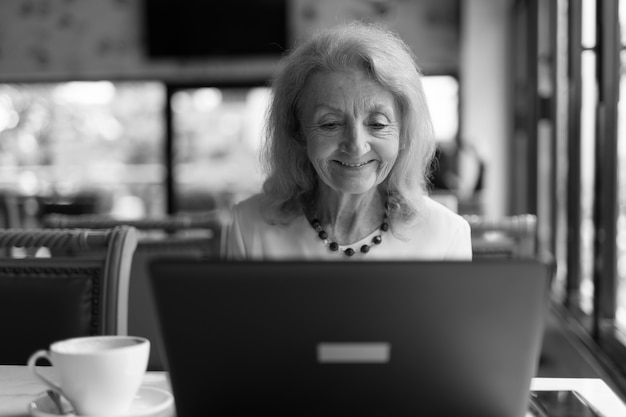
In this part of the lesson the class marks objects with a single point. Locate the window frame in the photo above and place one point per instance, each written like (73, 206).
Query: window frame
(598, 330)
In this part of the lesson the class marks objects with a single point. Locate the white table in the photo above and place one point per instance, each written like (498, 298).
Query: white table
(594, 390)
(18, 388)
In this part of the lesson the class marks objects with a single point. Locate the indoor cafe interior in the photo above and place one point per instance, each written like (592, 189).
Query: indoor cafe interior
(138, 124)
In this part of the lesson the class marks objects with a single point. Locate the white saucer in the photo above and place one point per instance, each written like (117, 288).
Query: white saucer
(149, 402)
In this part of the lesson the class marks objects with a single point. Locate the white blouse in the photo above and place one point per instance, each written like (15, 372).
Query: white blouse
(443, 235)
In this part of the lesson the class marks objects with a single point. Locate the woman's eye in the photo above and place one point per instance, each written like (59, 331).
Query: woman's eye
(329, 125)
(377, 126)
(378, 122)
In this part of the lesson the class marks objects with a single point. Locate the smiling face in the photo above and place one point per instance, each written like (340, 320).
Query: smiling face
(351, 125)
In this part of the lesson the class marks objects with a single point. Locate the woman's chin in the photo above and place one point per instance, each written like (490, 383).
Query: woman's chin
(353, 187)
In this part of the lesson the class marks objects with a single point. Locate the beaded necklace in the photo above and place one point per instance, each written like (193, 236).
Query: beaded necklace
(334, 246)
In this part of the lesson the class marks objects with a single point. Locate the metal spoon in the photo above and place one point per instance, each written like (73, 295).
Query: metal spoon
(56, 399)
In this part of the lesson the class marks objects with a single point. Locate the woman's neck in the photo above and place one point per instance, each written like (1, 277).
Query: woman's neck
(348, 218)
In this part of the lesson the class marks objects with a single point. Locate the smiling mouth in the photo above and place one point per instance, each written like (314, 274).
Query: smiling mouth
(357, 165)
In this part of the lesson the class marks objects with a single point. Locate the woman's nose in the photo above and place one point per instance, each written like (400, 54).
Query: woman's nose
(356, 141)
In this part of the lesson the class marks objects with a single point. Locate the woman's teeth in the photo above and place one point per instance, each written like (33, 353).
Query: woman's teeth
(353, 165)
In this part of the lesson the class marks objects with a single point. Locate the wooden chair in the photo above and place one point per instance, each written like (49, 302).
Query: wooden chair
(511, 236)
(194, 235)
(79, 288)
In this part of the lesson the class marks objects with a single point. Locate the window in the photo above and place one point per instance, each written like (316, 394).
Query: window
(442, 93)
(621, 182)
(588, 106)
(82, 147)
(218, 130)
(216, 137)
(596, 280)
(87, 147)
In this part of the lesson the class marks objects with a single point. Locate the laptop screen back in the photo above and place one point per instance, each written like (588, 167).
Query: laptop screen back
(336, 338)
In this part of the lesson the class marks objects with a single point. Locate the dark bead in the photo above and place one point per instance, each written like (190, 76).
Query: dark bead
(334, 246)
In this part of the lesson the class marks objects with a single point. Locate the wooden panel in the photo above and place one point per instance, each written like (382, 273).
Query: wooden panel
(43, 40)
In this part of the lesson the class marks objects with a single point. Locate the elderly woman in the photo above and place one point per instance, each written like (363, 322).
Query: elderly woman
(347, 154)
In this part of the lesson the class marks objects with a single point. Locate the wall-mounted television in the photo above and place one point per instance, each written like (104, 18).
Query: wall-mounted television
(181, 29)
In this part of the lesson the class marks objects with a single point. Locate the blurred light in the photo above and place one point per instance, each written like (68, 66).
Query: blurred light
(9, 118)
(207, 99)
(586, 292)
(257, 102)
(82, 92)
(181, 102)
(109, 128)
(442, 94)
(128, 207)
(230, 125)
(258, 99)
(588, 35)
(27, 143)
(28, 183)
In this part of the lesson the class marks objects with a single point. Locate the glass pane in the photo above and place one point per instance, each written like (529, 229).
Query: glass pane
(588, 35)
(589, 100)
(217, 133)
(81, 147)
(442, 93)
(621, 187)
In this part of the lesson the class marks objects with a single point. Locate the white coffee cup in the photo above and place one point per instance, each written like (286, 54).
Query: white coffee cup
(99, 375)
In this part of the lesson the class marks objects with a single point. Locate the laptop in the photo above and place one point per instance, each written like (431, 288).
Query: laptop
(396, 338)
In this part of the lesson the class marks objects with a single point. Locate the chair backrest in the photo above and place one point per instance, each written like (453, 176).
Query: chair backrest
(510, 236)
(193, 235)
(79, 288)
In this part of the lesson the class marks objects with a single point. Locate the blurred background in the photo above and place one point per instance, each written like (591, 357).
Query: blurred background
(144, 108)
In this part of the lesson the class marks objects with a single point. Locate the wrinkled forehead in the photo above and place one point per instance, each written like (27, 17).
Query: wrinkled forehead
(349, 90)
